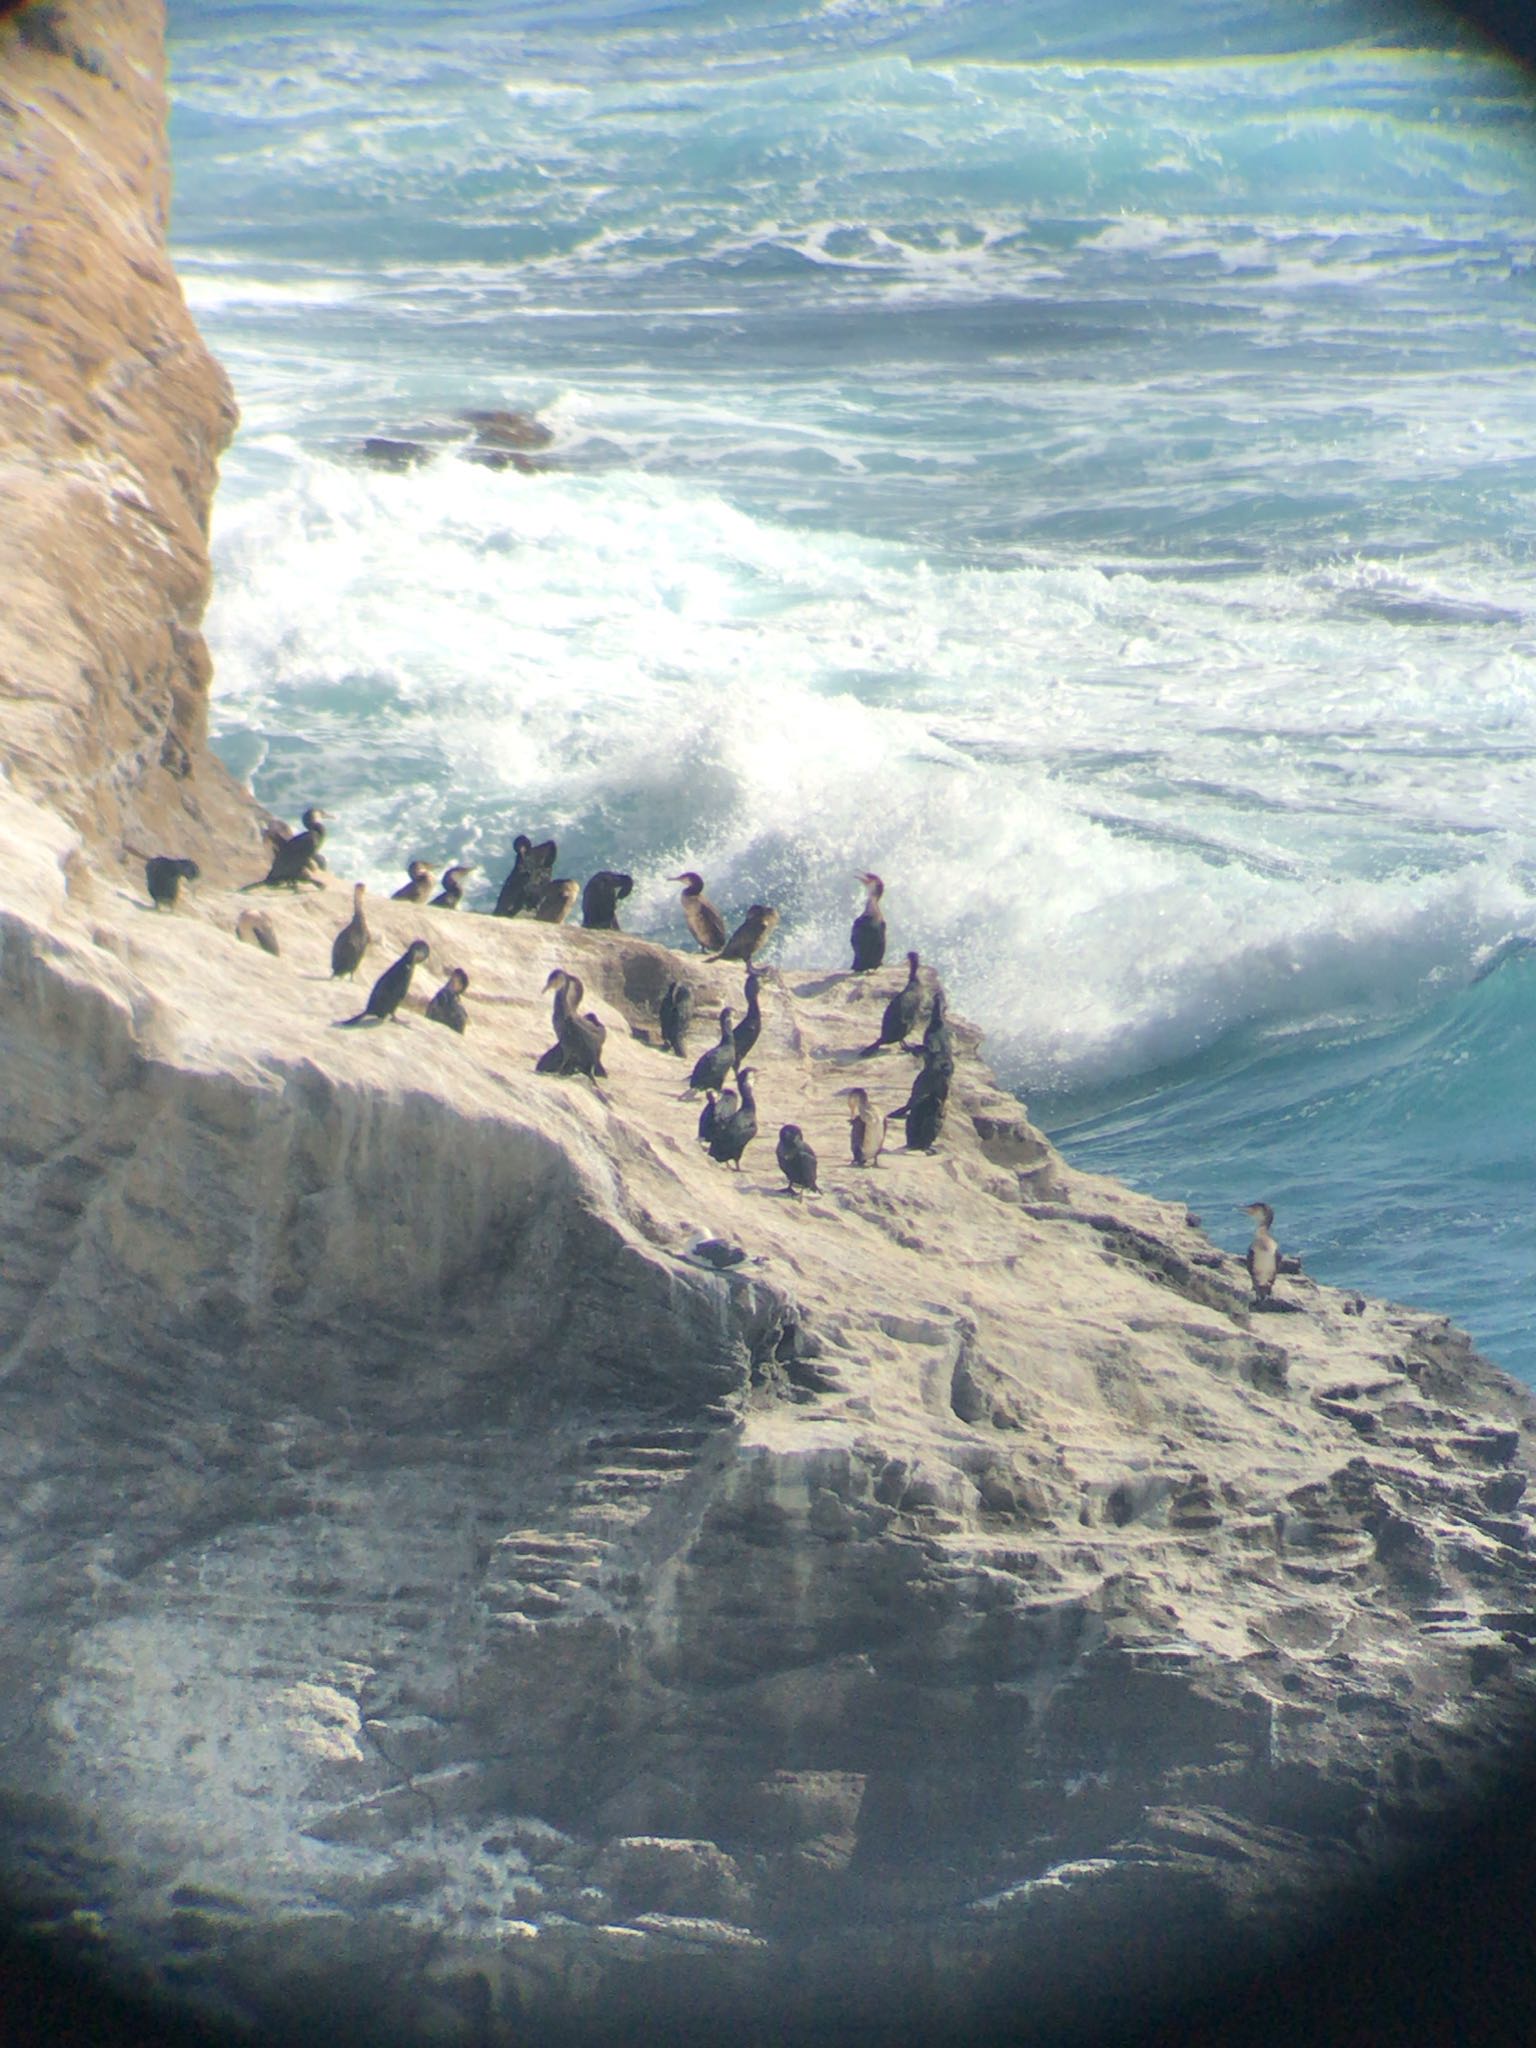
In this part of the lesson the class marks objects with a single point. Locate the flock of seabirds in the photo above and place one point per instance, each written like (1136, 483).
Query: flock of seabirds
(728, 1122)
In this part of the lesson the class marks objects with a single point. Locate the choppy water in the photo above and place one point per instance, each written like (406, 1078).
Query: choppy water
(1079, 461)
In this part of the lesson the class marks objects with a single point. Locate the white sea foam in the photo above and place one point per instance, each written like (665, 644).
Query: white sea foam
(214, 292)
(1122, 814)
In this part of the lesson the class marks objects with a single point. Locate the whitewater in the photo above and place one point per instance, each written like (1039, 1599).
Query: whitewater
(1078, 462)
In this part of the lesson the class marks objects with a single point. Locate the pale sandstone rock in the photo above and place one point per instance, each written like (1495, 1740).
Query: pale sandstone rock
(428, 1592)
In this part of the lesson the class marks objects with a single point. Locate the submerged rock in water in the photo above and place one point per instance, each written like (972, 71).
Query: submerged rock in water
(508, 429)
(386, 453)
(453, 1593)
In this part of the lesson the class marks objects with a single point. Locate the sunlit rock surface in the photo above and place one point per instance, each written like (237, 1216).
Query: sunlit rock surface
(431, 1592)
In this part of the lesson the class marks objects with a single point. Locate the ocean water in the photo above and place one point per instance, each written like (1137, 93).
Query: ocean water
(1079, 461)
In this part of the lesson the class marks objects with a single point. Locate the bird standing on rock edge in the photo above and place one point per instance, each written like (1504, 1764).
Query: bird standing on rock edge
(557, 899)
(531, 873)
(749, 935)
(418, 888)
(451, 895)
(900, 1012)
(868, 934)
(704, 921)
(1262, 1257)
(600, 899)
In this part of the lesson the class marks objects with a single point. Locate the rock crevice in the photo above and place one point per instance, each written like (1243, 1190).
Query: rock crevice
(430, 1582)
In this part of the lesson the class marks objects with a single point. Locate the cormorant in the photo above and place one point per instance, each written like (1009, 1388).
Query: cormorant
(797, 1162)
(447, 1006)
(938, 1039)
(531, 872)
(711, 1068)
(293, 857)
(704, 921)
(868, 934)
(418, 888)
(578, 1039)
(556, 902)
(716, 1110)
(733, 1134)
(676, 1016)
(901, 1011)
(255, 928)
(388, 992)
(451, 895)
(600, 900)
(866, 1128)
(1262, 1257)
(276, 834)
(163, 877)
(745, 1035)
(931, 1083)
(352, 941)
(750, 933)
(925, 1120)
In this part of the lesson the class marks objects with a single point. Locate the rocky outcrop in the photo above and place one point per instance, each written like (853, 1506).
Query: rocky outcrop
(113, 418)
(436, 1597)
(425, 1572)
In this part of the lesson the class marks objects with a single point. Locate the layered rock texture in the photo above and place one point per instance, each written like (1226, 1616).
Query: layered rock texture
(434, 1595)
(112, 416)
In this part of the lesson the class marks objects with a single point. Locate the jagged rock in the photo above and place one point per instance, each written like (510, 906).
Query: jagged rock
(431, 1590)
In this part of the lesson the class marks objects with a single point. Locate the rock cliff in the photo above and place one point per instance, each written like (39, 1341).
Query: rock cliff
(114, 415)
(434, 1594)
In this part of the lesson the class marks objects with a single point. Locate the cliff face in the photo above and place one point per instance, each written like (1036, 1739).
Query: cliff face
(112, 419)
(433, 1594)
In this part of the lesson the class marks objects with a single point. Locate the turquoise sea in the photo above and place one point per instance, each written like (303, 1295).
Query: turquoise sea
(1079, 461)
